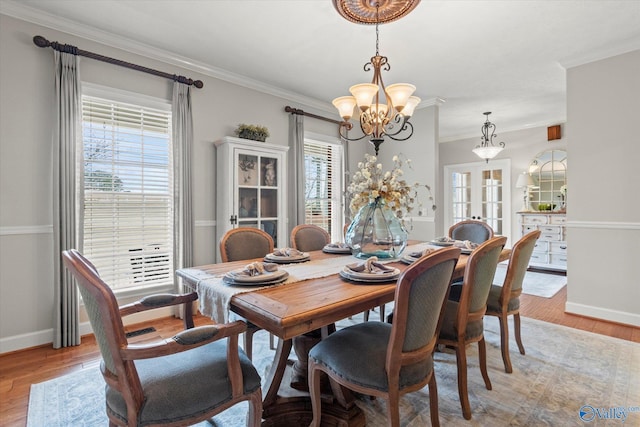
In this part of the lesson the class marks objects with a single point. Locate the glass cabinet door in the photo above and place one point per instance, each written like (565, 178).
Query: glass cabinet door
(257, 191)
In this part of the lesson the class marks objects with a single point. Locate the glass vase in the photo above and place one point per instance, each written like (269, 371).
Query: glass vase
(376, 231)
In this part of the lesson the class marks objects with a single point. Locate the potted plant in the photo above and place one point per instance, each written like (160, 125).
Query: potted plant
(253, 132)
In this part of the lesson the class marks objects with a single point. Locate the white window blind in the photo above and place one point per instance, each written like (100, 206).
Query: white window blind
(128, 192)
(323, 186)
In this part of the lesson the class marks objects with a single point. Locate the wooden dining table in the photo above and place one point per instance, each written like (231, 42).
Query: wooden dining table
(295, 309)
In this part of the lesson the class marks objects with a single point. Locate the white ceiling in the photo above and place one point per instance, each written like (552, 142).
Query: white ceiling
(504, 56)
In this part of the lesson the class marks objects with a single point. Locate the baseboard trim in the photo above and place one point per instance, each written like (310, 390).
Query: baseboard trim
(603, 314)
(45, 336)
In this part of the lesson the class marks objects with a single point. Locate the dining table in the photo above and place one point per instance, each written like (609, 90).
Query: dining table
(310, 301)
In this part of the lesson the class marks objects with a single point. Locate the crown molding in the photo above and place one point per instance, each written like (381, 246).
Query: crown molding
(29, 14)
(598, 54)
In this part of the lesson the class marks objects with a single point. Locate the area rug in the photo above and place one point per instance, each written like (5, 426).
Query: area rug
(568, 377)
(538, 284)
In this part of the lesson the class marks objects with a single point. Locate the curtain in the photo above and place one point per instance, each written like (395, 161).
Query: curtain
(297, 175)
(67, 212)
(182, 163)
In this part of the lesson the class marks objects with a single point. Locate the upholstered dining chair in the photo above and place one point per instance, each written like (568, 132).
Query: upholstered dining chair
(504, 300)
(243, 243)
(464, 312)
(472, 230)
(389, 360)
(183, 380)
(309, 237)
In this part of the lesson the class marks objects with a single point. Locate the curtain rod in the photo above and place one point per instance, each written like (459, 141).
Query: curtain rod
(326, 119)
(67, 48)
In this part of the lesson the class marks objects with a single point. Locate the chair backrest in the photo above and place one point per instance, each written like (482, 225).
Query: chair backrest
(472, 230)
(477, 281)
(309, 237)
(517, 268)
(419, 308)
(104, 316)
(245, 243)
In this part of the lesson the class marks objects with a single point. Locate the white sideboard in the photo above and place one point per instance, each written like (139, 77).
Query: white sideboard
(550, 251)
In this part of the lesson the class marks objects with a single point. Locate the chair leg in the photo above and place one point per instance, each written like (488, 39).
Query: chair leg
(314, 390)
(516, 327)
(461, 361)
(504, 343)
(254, 417)
(366, 315)
(393, 408)
(433, 401)
(482, 352)
(382, 313)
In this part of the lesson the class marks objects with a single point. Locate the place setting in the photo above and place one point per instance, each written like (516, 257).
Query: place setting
(412, 257)
(466, 246)
(369, 271)
(256, 274)
(337, 248)
(287, 256)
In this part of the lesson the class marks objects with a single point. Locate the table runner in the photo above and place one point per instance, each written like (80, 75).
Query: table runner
(215, 296)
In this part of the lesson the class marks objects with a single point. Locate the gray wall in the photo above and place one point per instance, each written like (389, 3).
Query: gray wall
(603, 208)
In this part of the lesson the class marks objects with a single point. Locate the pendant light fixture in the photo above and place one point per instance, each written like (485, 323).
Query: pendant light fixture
(487, 149)
(389, 114)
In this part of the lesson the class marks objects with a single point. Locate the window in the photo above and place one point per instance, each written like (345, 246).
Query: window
(323, 189)
(128, 188)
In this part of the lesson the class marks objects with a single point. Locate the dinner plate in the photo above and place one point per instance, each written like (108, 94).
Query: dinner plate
(372, 278)
(407, 259)
(339, 250)
(281, 259)
(231, 281)
(466, 251)
(438, 243)
(356, 275)
(239, 277)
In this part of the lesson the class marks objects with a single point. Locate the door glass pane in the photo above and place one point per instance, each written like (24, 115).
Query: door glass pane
(269, 175)
(461, 186)
(269, 203)
(247, 170)
(248, 199)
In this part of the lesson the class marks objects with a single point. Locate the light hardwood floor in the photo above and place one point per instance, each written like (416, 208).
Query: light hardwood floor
(20, 369)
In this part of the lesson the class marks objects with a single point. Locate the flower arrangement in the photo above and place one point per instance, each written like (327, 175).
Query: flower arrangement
(370, 183)
(253, 132)
(563, 190)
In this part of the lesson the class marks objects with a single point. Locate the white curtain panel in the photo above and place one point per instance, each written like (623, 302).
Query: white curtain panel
(297, 175)
(182, 164)
(67, 177)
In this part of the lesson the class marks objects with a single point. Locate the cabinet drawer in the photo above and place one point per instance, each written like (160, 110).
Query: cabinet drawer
(559, 259)
(558, 219)
(541, 246)
(528, 228)
(558, 247)
(555, 229)
(539, 258)
(534, 219)
(551, 237)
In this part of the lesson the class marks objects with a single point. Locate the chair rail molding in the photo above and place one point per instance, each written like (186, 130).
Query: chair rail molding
(611, 225)
(26, 229)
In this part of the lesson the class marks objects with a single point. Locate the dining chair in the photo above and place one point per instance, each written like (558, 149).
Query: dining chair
(183, 380)
(464, 312)
(472, 230)
(389, 360)
(309, 237)
(245, 243)
(240, 244)
(505, 300)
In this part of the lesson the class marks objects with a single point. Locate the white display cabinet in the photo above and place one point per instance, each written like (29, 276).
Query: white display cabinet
(550, 251)
(251, 188)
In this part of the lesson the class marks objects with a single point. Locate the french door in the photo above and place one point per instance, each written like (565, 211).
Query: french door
(480, 191)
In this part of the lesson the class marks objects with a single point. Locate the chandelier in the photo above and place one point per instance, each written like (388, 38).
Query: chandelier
(379, 117)
(487, 149)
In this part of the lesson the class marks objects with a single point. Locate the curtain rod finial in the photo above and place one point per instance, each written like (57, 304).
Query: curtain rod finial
(41, 41)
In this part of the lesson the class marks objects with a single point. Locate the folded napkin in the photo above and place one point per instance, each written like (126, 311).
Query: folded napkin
(289, 252)
(444, 239)
(371, 265)
(337, 245)
(257, 268)
(465, 244)
(420, 254)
